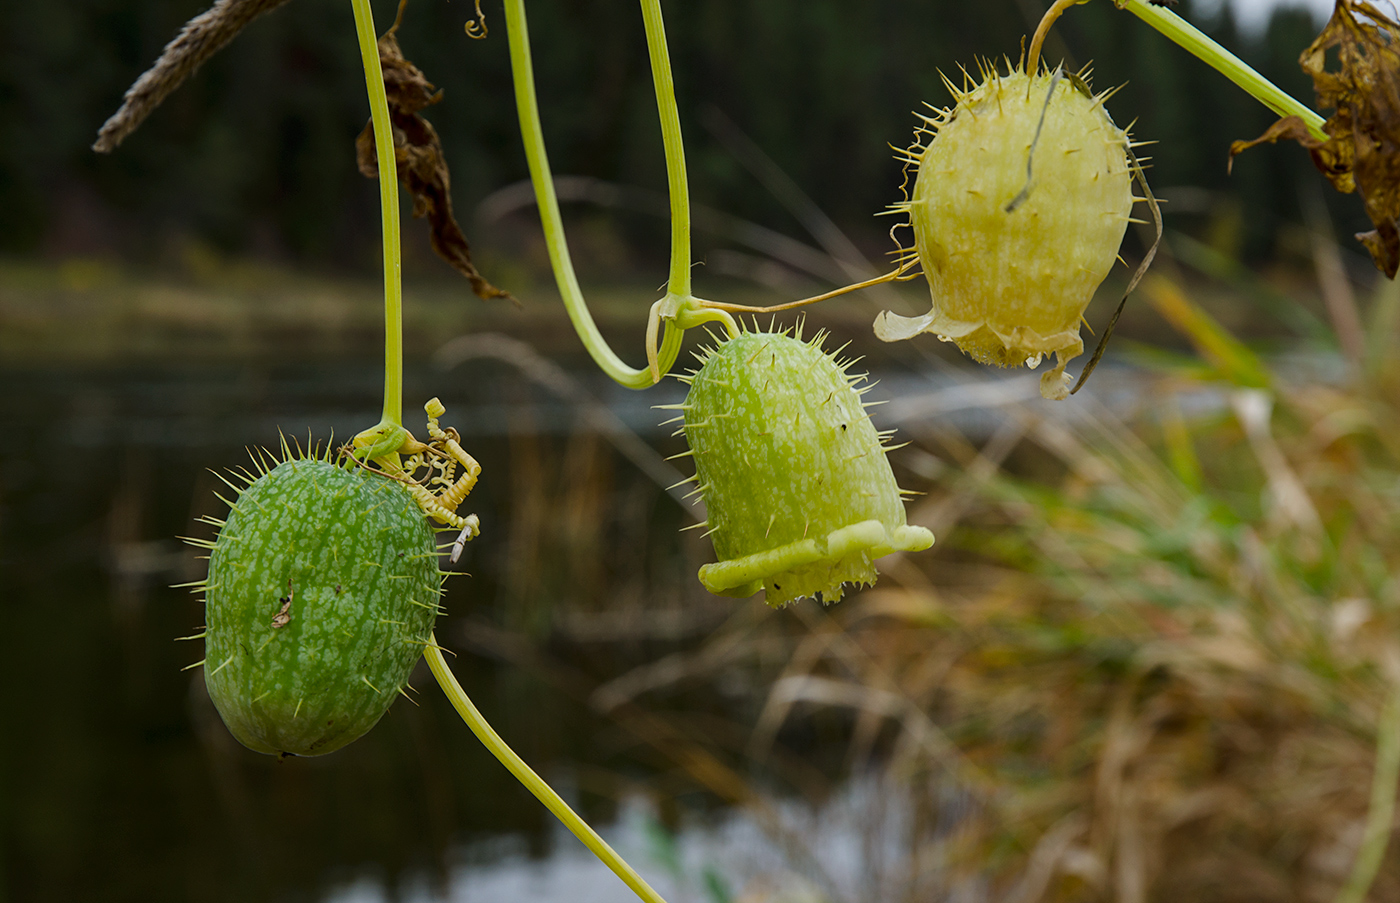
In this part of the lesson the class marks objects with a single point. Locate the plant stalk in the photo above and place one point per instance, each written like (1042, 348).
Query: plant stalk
(532, 135)
(1226, 63)
(677, 184)
(389, 210)
(526, 775)
(1381, 815)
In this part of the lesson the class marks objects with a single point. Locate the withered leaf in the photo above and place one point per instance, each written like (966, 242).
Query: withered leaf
(202, 37)
(1362, 150)
(421, 165)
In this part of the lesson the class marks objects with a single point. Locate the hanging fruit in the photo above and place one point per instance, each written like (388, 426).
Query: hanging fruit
(800, 497)
(1022, 196)
(323, 587)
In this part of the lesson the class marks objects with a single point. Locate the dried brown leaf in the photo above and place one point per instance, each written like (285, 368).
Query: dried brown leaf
(1290, 128)
(421, 165)
(1362, 149)
(202, 37)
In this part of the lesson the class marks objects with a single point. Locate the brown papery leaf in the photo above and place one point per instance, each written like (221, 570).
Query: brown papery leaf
(1362, 149)
(418, 155)
(202, 37)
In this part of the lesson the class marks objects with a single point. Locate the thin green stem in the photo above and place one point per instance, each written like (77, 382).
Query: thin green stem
(526, 775)
(1232, 67)
(691, 317)
(1381, 815)
(389, 209)
(679, 283)
(532, 135)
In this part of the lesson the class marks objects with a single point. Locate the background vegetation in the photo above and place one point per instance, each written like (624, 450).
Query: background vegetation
(1145, 661)
(255, 154)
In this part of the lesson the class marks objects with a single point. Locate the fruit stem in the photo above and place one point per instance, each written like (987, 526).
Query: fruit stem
(1197, 43)
(532, 134)
(678, 284)
(1232, 67)
(896, 275)
(389, 210)
(1056, 10)
(526, 775)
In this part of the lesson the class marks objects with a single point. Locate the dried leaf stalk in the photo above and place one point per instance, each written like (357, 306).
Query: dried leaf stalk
(202, 37)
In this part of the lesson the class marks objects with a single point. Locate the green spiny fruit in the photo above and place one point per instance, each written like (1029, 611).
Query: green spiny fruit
(1014, 242)
(322, 591)
(799, 494)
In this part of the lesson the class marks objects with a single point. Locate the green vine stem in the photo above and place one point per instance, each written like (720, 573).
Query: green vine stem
(389, 210)
(678, 285)
(1381, 814)
(1232, 67)
(387, 436)
(532, 134)
(533, 782)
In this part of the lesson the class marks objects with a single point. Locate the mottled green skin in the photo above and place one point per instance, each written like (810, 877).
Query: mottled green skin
(363, 566)
(800, 497)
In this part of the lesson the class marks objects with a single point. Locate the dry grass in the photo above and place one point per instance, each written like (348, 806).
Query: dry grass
(1146, 661)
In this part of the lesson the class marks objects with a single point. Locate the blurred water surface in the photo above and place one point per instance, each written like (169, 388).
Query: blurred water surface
(119, 781)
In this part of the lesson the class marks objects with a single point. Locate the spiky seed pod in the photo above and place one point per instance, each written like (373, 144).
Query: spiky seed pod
(799, 494)
(322, 591)
(1012, 263)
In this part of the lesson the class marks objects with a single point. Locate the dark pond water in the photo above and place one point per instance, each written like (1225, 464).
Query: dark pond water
(117, 780)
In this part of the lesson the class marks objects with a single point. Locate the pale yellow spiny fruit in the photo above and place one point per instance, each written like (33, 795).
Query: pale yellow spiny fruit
(1012, 263)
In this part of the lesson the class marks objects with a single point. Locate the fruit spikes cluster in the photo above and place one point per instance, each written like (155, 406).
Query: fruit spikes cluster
(799, 496)
(322, 591)
(1022, 196)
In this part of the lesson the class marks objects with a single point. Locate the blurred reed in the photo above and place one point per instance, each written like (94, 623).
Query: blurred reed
(1151, 658)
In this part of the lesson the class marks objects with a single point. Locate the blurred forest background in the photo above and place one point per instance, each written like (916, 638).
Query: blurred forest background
(254, 156)
(1148, 659)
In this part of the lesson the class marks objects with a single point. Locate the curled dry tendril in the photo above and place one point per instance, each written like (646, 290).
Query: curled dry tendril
(439, 491)
(476, 28)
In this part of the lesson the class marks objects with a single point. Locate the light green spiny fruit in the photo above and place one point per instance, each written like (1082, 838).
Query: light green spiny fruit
(799, 494)
(322, 591)
(1012, 263)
